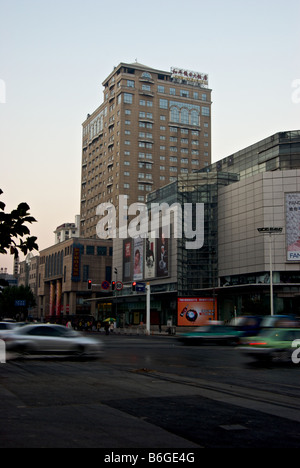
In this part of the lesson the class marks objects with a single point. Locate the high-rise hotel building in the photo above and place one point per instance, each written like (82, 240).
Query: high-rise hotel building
(152, 127)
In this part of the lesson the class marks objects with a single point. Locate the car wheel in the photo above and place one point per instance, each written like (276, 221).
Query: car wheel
(79, 350)
(23, 350)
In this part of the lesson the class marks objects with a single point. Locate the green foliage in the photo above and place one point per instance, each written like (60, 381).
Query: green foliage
(13, 230)
(8, 298)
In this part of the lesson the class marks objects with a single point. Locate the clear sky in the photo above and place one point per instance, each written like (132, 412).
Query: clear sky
(55, 54)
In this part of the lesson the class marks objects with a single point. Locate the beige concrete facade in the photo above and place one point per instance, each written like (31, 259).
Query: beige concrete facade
(152, 126)
(63, 274)
(245, 206)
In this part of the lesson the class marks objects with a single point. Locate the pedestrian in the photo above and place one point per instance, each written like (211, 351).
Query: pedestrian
(106, 327)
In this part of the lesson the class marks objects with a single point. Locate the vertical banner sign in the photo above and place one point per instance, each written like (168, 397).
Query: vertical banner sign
(138, 259)
(150, 258)
(293, 226)
(58, 297)
(127, 247)
(162, 256)
(52, 299)
(76, 263)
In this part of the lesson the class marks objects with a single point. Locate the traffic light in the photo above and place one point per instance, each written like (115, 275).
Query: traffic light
(89, 284)
(113, 285)
(134, 286)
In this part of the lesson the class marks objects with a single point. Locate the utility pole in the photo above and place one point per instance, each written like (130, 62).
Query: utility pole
(270, 231)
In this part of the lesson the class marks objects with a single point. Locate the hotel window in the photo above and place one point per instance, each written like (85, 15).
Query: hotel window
(172, 92)
(185, 116)
(130, 84)
(161, 89)
(173, 169)
(195, 118)
(126, 186)
(184, 93)
(146, 88)
(128, 98)
(174, 117)
(163, 104)
(142, 102)
(205, 111)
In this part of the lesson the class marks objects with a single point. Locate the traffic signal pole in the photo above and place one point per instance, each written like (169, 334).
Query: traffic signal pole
(148, 309)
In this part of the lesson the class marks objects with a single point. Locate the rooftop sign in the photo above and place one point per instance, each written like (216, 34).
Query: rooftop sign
(191, 76)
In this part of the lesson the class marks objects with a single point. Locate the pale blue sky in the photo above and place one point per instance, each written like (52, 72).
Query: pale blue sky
(54, 56)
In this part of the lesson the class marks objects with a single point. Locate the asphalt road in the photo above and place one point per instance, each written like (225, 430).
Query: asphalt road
(149, 392)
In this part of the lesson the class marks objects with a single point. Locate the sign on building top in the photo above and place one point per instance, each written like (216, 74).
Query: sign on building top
(191, 76)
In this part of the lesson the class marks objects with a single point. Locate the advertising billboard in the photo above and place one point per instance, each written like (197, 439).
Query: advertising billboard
(196, 312)
(292, 201)
(150, 258)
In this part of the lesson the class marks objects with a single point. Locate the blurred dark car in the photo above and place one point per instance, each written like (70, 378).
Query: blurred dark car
(249, 325)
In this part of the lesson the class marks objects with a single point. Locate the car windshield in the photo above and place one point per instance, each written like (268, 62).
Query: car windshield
(6, 326)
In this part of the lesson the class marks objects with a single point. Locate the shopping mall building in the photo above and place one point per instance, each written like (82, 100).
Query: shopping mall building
(241, 198)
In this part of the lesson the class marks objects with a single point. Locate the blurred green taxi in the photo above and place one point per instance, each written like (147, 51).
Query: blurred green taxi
(212, 334)
(276, 344)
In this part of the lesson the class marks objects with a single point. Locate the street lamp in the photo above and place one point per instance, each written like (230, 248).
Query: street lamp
(271, 231)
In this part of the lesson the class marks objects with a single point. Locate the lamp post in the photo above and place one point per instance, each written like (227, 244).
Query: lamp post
(271, 231)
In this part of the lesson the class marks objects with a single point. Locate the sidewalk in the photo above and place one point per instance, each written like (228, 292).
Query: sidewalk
(141, 330)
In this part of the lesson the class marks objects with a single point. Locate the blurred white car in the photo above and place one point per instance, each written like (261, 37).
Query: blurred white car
(7, 327)
(50, 339)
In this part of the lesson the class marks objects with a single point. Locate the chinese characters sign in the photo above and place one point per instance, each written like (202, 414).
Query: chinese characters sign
(188, 75)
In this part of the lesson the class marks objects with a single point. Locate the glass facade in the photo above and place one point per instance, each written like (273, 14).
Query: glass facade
(197, 269)
(278, 152)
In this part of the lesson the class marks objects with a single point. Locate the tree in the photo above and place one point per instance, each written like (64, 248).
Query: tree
(13, 230)
(9, 308)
